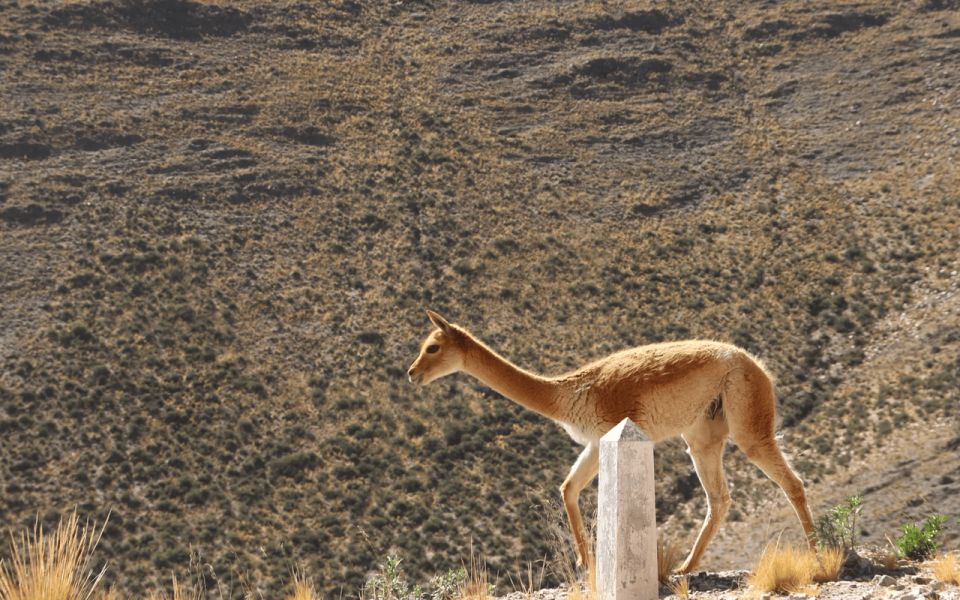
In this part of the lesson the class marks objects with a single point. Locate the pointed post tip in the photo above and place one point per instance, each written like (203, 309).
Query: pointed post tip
(626, 430)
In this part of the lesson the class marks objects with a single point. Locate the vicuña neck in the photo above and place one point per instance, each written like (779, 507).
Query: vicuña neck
(527, 389)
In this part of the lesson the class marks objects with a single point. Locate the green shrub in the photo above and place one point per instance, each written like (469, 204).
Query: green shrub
(389, 583)
(448, 586)
(838, 528)
(920, 543)
(295, 465)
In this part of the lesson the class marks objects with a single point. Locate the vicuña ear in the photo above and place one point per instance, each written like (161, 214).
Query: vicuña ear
(439, 321)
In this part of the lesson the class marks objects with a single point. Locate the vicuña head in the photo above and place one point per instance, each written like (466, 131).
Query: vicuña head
(702, 390)
(441, 353)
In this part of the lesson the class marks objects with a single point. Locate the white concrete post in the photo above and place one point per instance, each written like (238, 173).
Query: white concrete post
(627, 520)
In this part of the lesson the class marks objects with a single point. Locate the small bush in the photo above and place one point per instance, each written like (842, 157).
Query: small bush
(77, 332)
(448, 586)
(920, 543)
(294, 465)
(838, 528)
(389, 583)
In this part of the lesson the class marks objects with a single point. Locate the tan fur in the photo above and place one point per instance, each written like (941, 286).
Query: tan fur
(701, 390)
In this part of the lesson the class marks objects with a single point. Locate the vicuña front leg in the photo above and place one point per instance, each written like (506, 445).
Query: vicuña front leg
(582, 472)
(706, 442)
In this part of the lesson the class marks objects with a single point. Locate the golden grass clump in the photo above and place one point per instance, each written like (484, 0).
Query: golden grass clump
(792, 569)
(829, 564)
(179, 592)
(681, 587)
(477, 584)
(579, 592)
(303, 587)
(526, 585)
(889, 559)
(668, 557)
(946, 568)
(785, 570)
(52, 567)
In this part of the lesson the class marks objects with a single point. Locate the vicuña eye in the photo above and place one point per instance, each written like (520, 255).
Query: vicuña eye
(433, 348)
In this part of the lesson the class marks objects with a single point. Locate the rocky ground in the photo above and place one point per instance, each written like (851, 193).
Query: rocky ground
(908, 583)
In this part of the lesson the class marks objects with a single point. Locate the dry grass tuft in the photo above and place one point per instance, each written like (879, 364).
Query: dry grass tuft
(52, 567)
(889, 559)
(829, 564)
(681, 587)
(785, 570)
(525, 583)
(946, 568)
(668, 557)
(179, 592)
(582, 590)
(477, 583)
(303, 587)
(578, 591)
(565, 565)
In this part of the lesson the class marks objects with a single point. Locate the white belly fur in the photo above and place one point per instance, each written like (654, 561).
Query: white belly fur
(577, 434)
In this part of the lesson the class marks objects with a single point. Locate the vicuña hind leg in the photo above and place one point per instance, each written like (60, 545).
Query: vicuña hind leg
(771, 461)
(749, 404)
(705, 442)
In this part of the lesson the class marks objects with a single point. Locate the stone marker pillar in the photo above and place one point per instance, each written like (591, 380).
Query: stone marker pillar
(627, 520)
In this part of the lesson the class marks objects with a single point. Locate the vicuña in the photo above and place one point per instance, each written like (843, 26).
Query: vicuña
(700, 390)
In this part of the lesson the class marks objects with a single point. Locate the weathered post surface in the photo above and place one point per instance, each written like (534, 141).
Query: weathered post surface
(627, 520)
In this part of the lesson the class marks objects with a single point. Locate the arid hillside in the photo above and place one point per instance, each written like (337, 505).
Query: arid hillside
(220, 223)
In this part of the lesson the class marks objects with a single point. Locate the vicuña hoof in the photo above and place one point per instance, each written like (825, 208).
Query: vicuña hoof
(685, 569)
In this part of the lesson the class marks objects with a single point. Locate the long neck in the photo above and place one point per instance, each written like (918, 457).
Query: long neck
(529, 390)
